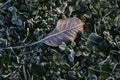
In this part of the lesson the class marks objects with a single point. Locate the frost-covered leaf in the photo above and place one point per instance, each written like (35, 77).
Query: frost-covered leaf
(15, 20)
(95, 38)
(65, 31)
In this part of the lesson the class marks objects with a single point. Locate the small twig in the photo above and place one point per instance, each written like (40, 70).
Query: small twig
(114, 67)
(95, 28)
(8, 1)
(107, 58)
(75, 65)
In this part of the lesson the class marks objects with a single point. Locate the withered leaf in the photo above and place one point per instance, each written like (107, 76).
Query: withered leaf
(65, 31)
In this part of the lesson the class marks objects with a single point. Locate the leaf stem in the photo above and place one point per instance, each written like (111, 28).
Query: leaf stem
(42, 40)
(8, 1)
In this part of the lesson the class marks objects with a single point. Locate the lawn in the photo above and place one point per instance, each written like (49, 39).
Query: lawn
(42, 40)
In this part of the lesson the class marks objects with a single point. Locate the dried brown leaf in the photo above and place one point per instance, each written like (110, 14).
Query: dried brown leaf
(65, 31)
